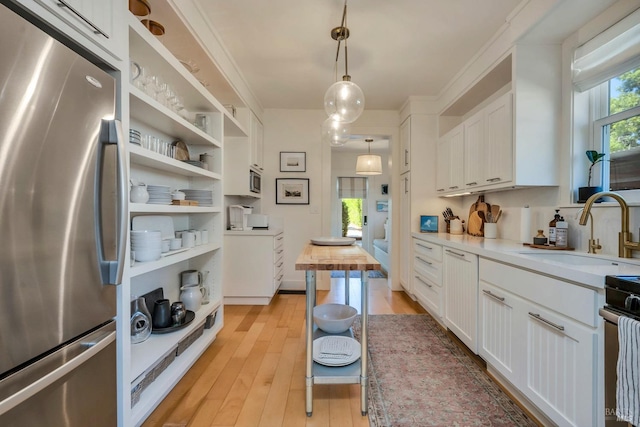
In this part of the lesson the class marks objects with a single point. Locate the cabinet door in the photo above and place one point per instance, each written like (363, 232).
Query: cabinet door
(405, 232)
(460, 280)
(498, 148)
(474, 148)
(442, 165)
(500, 342)
(456, 159)
(561, 367)
(405, 146)
(257, 140)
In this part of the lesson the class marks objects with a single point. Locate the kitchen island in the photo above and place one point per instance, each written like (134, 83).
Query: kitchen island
(352, 257)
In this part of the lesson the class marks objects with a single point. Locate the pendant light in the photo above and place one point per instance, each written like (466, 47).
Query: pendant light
(369, 164)
(344, 100)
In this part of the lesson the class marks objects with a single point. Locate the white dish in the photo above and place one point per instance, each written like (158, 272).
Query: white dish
(333, 241)
(164, 223)
(350, 346)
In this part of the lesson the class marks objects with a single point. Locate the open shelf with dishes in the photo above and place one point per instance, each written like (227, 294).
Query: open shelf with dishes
(177, 131)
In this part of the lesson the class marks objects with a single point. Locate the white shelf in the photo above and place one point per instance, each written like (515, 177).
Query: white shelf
(163, 384)
(150, 52)
(150, 112)
(140, 268)
(170, 209)
(147, 353)
(142, 156)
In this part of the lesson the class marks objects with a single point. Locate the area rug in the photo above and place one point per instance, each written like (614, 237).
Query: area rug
(419, 377)
(355, 274)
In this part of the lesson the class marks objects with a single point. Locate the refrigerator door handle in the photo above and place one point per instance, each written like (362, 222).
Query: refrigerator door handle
(43, 382)
(111, 270)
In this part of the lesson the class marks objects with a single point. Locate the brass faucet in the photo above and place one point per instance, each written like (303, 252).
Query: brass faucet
(594, 245)
(625, 244)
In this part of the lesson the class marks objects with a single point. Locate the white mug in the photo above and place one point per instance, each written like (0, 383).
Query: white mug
(188, 239)
(205, 236)
(175, 244)
(198, 236)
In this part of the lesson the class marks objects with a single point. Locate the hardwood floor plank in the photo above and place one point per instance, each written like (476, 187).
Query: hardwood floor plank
(274, 410)
(251, 411)
(339, 406)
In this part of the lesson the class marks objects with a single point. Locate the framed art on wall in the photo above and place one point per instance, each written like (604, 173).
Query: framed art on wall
(292, 191)
(291, 161)
(428, 224)
(382, 206)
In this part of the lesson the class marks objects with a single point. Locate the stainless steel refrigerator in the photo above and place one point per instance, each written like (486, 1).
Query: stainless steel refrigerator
(62, 232)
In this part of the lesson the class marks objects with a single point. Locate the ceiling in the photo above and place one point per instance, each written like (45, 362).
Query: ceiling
(397, 48)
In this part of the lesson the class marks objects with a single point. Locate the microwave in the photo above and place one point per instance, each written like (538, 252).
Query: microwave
(255, 182)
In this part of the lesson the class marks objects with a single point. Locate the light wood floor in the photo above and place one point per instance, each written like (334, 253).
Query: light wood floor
(254, 374)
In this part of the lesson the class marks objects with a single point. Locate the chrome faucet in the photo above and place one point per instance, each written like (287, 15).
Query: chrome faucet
(625, 244)
(594, 245)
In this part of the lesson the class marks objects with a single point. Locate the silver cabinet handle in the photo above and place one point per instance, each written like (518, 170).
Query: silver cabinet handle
(279, 265)
(424, 246)
(280, 238)
(493, 179)
(406, 157)
(280, 251)
(455, 253)
(424, 260)
(63, 3)
(420, 279)
(548, 322)
(471, 183)
(440, 189)
(492, 295)
(280, 278)
(455, 187)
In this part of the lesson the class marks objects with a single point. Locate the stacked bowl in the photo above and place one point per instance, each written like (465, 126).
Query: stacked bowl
(134, 136)
(334, 318)
(146, 244)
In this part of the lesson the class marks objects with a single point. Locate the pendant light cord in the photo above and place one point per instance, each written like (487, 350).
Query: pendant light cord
(344, 37)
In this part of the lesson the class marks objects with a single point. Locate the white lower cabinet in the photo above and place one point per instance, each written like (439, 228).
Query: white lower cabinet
(460, 280)
(427, 277)
(533, 334)
(254, 266)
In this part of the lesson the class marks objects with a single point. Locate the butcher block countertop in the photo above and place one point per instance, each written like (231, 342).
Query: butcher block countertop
(350, 257)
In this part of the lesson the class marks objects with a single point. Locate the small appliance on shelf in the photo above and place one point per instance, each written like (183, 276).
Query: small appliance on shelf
(238, 215)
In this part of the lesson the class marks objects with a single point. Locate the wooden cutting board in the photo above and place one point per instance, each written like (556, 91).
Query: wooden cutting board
(475, 227)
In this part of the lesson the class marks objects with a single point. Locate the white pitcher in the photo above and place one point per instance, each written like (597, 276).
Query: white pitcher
(192, 296)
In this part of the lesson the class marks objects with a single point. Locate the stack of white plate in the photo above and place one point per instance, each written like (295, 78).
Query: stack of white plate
(147, 244)
(203, 197)
(134, 136)
(159, 194)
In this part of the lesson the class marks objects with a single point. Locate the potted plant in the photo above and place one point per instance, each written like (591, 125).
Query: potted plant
(585, 192)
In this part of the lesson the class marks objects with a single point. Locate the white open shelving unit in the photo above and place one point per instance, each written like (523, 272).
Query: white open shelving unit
(154, 366)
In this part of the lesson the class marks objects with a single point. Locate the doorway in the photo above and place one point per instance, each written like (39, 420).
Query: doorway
(352, 195)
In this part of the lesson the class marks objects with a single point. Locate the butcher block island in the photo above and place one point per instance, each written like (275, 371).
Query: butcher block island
(347, 258)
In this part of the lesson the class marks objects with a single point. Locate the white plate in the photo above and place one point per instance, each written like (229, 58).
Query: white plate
(352, 345)
(164, 223)
(333, 241)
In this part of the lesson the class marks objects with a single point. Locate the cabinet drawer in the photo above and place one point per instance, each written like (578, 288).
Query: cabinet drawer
(278, 253)
(570, 300)
(278, 241)
(429, 294)
(278, 267)
(429, 268)
(427, 249)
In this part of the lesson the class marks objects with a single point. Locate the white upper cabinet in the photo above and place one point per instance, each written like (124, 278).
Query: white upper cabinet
(256, 138)
(449, 173)
(405, 146)
(509, 119)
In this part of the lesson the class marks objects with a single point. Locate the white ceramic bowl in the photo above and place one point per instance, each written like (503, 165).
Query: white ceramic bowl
(334, 318)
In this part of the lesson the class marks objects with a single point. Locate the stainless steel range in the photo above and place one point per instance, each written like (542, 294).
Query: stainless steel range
(622, 299)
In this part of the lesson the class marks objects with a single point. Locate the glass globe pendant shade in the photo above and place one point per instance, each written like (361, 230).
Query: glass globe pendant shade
(345, 99)
(369, 164)
(335, 132)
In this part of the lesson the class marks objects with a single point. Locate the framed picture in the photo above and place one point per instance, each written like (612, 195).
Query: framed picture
(291, 161)
(382, 206)
(292, 191)
(428, 223)
(384, 189)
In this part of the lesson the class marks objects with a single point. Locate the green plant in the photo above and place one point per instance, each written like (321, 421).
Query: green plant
(345, 219)
(595, 158)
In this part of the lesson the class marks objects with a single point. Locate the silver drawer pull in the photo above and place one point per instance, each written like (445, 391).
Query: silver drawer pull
(493, 179)
(420, 279)
(455, 253)
(471, 183)
(280, 278)
(280, 238)
(280, 265)
(424, 246)
(492, 295)
(455, 187)
(424, 260)
(63, 3)
(280, 251)
(548, 322)
(440, 189)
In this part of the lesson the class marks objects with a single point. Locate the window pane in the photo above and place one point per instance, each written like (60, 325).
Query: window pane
(624, 154)
(624, 91)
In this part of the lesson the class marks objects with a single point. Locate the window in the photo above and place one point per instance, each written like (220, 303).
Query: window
(618, 132)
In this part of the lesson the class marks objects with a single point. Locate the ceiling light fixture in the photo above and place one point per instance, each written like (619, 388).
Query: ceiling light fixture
(369, 164)
(344, 100)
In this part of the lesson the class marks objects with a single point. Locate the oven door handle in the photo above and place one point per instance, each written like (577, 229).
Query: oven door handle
(608, 316)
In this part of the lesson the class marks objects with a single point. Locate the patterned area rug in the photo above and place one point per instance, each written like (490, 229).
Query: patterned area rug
(373, 274)
(419, 377)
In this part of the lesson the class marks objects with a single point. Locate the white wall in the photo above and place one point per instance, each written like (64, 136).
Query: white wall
(299, 130)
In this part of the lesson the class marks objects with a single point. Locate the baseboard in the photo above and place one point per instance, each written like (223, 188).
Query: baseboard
(292, 292)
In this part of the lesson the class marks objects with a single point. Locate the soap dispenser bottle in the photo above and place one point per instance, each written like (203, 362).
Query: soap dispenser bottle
(562, 233)
(552, 228)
